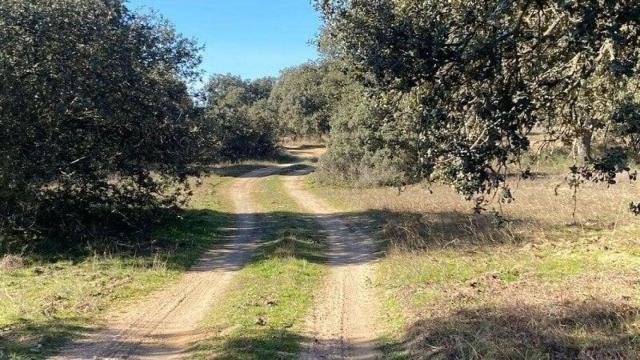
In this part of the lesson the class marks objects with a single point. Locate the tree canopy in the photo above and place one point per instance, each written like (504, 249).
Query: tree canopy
(456, 86)
(306, 97)
(98, 125)
(238, 121)
(95, 116)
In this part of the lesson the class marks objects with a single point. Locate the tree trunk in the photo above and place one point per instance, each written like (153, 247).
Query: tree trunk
(582, 144)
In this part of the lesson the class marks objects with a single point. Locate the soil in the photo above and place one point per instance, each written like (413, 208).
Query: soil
(343, 322)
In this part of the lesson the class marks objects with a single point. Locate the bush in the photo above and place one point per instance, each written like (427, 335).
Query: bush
(363, 148)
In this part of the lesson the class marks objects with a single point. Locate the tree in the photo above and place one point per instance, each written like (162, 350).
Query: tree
(238, 119)
(96, 125)
(589, 50)
(459, 85)
(626, 118)
(302, 102)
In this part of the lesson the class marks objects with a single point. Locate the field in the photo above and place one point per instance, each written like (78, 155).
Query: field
(531, 283)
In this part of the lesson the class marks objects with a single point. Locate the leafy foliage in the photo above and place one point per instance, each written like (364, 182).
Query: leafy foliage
(626, 119)
(363, 148)
(238, 120)
(95, 117)
(590, 54)
(306, 97)
(456, 87)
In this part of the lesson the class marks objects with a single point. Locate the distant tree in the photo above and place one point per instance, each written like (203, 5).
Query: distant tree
(305, 98)
(95, 117)
(238, 120)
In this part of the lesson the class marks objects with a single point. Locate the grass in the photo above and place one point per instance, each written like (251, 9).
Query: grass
(262, 315)
(532, 284)
(45, 303)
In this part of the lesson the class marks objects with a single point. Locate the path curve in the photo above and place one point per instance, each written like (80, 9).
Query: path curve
(343, 322)
(163, 325)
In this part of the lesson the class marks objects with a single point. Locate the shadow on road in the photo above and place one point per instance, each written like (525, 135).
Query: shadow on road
(266, 344)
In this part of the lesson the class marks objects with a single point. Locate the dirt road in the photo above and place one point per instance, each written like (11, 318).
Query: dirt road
(342, 324)
(163, 325)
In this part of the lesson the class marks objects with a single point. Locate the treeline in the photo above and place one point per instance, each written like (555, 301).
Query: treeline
(102, 122)
(246, 118)
(101, 126)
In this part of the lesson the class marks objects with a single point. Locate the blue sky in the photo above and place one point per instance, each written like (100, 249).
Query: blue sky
(251, 38)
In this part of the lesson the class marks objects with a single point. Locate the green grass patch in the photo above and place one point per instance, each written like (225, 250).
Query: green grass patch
(45, 303)
(546, 262)
(394, 319)
(463, 298)
(261, 317)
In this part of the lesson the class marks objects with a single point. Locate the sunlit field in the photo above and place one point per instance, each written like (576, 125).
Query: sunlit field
(530, 281)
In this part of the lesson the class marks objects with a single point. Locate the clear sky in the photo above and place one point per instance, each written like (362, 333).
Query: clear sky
(251, 38)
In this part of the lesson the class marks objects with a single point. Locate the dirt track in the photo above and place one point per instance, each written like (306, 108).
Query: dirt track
(164, 325)
(342, 324)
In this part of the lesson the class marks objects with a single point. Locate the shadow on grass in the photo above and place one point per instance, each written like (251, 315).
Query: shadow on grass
(176, 243)
(290, 235)
(591, 330)
(262, 344)
(28, 339)
(249, 170)
(451, 230)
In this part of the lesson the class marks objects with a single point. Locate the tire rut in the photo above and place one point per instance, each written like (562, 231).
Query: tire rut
(164, 325)
(342, 324)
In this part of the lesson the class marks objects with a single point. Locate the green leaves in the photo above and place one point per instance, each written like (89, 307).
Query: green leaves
(238, 122)
(95, 116)
(301, 101)
(463, 84)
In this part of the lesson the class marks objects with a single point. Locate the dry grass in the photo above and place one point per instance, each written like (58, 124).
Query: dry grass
(536, 210)
(530, 284)
(11, 263)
